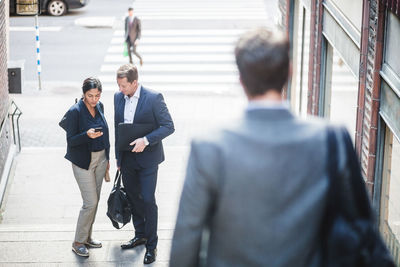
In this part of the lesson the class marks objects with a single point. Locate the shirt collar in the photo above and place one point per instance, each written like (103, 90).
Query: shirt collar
(137, 93)
(266, 104)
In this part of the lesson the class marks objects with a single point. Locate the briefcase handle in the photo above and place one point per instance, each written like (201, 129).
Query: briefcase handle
(117, 180)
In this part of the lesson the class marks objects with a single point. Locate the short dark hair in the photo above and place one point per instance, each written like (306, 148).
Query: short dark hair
(91, 83)
(128, 71)
(262, 57)
(130, 9)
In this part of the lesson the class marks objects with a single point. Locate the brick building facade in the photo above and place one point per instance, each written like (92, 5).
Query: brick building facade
(345, 67)
(5, 125)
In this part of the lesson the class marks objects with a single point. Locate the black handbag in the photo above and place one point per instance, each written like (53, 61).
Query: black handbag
(350, 237)
(118, 209)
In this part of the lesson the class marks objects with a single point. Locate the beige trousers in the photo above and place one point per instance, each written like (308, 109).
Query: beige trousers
(89, 182)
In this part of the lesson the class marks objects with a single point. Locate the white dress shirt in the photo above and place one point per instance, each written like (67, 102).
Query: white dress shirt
(267, 104)
(131, 19)
(130, 105)
(130, 108)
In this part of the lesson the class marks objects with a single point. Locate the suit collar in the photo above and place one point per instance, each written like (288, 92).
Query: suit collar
(142, 99)
(136, 94)
(274, 114)
(266, 104)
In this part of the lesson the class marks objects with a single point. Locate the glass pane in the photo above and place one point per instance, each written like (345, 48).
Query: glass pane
(352, 10)
(394, 189)
(302, 61)
(344, 95)
(392, 42)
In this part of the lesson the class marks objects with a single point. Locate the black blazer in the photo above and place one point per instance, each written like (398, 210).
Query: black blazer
(78, 142)
(151, 109)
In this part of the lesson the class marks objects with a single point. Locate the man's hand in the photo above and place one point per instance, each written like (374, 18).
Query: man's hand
(136, 42)
(92, 134)
(139, 145)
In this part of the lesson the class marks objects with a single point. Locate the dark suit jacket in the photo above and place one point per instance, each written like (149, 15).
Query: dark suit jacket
(78, 142)
(151, 109)
(134, 32)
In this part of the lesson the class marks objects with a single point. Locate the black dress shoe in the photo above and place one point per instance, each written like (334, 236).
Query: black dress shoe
(150, 256)
(136, 241)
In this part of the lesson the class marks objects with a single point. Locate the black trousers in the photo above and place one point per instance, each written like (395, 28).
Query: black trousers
(140, 185)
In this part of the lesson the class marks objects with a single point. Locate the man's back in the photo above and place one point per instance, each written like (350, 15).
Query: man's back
(260, 187)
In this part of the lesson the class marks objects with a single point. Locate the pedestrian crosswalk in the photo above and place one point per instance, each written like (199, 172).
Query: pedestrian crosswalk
(180, 58)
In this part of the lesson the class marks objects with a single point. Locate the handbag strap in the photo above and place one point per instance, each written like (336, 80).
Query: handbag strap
(117, 179)
(347, 192)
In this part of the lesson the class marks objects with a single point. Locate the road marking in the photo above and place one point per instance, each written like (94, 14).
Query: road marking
(151, 58)
(95, 22)
(32, 29)
(185, 60)
(179, 78)
(194, 32)
(181, 40)
(184, 88)
(183, 67)
(165, 49)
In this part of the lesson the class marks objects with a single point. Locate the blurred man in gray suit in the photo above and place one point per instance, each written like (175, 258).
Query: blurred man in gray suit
(257, 187)
(133, 31)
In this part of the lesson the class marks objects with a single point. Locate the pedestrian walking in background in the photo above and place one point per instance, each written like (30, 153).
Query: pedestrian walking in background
(88, 148)
(259, 186)
(133, 31)
(135, 104)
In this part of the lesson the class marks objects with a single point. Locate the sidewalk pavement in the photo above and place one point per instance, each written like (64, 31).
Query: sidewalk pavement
(42, 201)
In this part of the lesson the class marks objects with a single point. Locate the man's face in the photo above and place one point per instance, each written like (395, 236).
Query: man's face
(126, 87)
(130, 13)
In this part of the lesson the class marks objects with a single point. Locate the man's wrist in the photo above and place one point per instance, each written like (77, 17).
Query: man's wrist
(146, 142)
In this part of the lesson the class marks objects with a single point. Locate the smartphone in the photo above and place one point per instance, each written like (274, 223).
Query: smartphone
(98, 129)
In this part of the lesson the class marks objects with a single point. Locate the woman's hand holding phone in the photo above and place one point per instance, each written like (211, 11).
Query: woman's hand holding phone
(93, 134)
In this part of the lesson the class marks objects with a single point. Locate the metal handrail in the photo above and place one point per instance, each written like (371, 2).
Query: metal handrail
(15, 113)
(3, 122)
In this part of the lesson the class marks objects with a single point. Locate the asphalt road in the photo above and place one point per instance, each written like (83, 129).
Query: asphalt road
(71, 52)
(187, 48)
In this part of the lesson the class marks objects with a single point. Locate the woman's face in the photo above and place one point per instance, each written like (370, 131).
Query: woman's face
(92, 97)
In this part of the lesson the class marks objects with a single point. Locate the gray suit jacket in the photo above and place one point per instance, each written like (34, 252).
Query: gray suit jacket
(259, 187)
(134, 31)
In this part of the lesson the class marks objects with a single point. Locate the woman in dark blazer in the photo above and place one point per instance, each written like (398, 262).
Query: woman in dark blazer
(88, 148)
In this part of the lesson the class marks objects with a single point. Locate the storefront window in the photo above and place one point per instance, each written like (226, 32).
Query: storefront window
(394, 189)
(341, 93)
(390, 198)
(352, 10)
(392, 42)
(303, 47)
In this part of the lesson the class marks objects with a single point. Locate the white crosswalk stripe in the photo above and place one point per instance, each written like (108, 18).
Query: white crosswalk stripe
(184, 60)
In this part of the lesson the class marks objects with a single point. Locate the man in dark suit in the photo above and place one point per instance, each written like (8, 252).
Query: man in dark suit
(133, 30)
(139, 167)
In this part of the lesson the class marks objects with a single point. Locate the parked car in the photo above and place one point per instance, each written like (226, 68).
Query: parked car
(52, 7)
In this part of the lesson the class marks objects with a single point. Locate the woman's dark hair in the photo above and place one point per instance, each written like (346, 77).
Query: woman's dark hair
(91, 83)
